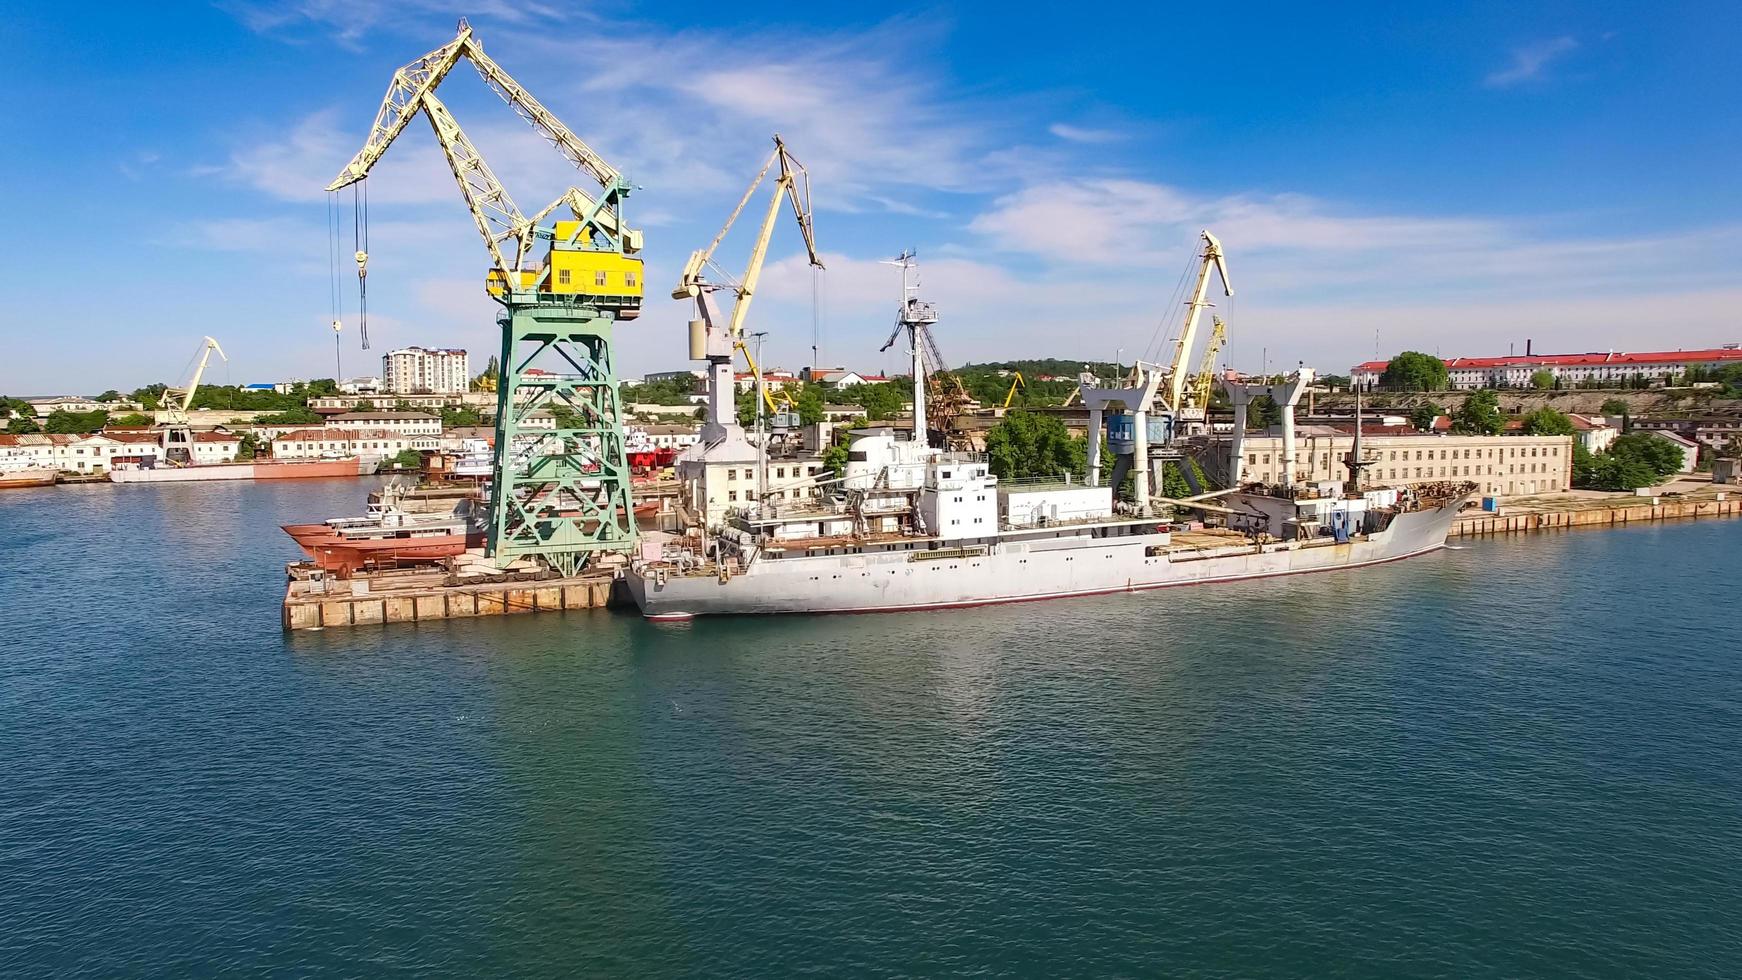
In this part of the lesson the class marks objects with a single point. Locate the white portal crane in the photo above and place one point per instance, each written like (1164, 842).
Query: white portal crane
(178, 438)
(1133, 402)
(712, 339)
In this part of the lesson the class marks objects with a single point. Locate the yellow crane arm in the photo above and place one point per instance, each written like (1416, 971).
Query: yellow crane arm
(1205, 379)
(403, 100)
(177, 400)
(1211, 258)
(1015, 382)
(768, 398)
(412, 90)
(793, 185)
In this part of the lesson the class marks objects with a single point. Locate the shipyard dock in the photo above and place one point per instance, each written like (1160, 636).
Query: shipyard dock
(423, 597)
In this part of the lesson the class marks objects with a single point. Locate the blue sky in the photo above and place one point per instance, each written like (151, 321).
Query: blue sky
(1455, 180)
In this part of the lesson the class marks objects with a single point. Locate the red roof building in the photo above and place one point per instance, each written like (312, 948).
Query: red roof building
(1570, 369)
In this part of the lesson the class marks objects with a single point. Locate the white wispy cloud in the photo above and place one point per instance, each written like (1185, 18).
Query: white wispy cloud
(1082, 134)
(349, 21)
(1531, 62)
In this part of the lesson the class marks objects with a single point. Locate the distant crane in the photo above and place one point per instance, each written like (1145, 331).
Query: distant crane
(559, 496)
(1016, 381)
(932, 380)
(1195, 408)
(178, 436)
(711, 339)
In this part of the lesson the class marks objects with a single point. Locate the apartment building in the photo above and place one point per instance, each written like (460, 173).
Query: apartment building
(424, 370)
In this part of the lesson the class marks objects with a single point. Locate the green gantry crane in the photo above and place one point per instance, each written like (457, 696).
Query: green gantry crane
(561, 495)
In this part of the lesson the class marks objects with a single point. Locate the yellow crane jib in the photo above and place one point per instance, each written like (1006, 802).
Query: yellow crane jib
(1016, 381)
(1204, 381)
(1211, 257)
(713, 338)
(591, 258)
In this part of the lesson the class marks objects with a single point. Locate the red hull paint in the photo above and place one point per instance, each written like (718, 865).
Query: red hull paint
(268, 469)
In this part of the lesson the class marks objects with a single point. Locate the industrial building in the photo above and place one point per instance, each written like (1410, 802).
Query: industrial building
(1497, 464)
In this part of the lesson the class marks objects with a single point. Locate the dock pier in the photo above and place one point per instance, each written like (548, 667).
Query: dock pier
(332, 603)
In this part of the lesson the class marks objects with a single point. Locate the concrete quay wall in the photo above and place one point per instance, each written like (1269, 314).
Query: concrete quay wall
(328, 610)
(1486, 524)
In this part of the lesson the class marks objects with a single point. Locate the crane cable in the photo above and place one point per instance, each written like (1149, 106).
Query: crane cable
(360, 241)
(1157, 341)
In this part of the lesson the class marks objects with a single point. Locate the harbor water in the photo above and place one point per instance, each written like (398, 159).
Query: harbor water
(1515, 758)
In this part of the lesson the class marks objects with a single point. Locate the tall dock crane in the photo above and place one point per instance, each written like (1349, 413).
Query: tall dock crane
(178, 437)
(1131, 403)
(715, 339)
(560, 496)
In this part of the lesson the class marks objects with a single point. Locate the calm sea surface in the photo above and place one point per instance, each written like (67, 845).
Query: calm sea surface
(1519, 758)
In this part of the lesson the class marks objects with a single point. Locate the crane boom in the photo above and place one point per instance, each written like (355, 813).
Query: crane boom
(412, 90)
(1198, 396)
(177, 400)
(787, 186)
(1212, 257)
(710, 340)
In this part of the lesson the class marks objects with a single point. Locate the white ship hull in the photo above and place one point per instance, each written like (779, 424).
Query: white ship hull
(1017, 568)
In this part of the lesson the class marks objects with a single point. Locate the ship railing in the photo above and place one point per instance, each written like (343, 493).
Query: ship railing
(960, 457)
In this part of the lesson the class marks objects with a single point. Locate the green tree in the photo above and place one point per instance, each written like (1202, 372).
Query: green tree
(22, 425)
(835, 459)
(1542, 379)
(149, 397)
(810, 405)
(1424, 414)
(131, 419)
(1547, 422)
(249, 447)
(746, 405)
(321, 387)
(366, 405)
(1024, 444)
(408, 459)
(1263, 413)
(1480, 415)
(1615, 406)
(1415, 371)
(109, 396)
(75, 422)
(1662, 457)
(461, 415)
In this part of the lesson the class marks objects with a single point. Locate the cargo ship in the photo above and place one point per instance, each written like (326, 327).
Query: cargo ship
(909, 526)
(918, 528)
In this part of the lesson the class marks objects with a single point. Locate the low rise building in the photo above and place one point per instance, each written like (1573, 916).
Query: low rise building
(404, 423)
(1496, 464)
(360, 386)
(45, 407)
(841, 377)
(657, 377)
(772, 380)
(1689, 448)
(672, 436)
(95, 453)
(338, 442)
(1594, 433)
